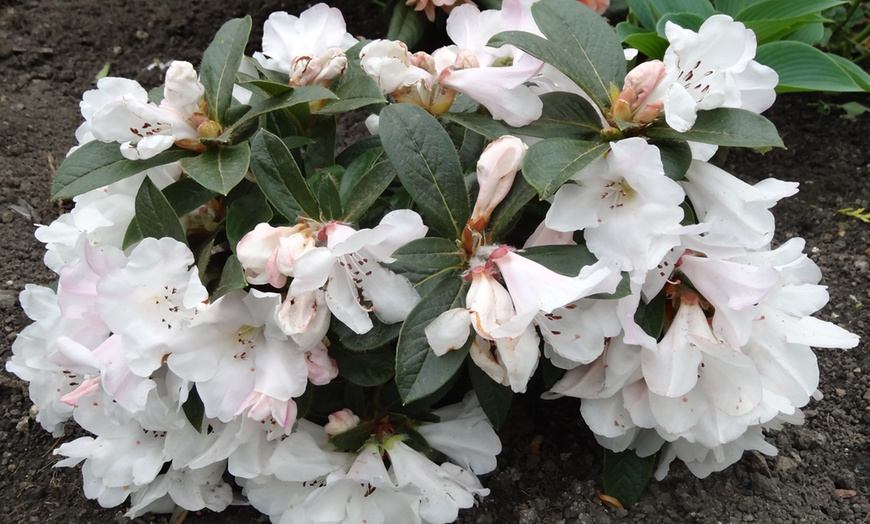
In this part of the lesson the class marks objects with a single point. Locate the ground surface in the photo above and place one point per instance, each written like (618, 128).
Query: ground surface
(49, 56)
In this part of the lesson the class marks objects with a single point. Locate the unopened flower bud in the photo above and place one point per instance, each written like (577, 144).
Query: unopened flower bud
(341, 421)
(210, 129)
(496, 170)
(599, 6)
(634, 104)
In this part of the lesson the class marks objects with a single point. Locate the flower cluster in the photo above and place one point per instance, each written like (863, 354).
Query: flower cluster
(234, 297)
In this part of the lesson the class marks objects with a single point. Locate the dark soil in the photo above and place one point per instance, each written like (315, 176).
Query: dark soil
(50, 54)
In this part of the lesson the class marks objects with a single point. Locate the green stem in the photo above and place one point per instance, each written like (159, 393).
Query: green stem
(853, 6)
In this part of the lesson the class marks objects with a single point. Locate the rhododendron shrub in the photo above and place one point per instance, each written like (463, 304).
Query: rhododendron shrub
(242, 310)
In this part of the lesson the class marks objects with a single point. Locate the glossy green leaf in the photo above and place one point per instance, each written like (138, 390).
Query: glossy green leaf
(279, 177)
(219, 169)
(154, 215)
(684, 20)
(767, 31)
(550, 163)
(804, 68)
(726, 126)
(810, 34)
(626, 475)
(364, 181)
(364, 368)
(245, 213)
(232, 278)
(419, 371)
(578, 42)
(427, 164)
(495, 399)
(97, 164)
(220, 63)
(649, 43)
(354, 438)
(430, 253)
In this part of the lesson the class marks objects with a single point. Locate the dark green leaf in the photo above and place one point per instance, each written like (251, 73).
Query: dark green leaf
(364, 180)
(202, 256)
(649, 43)
(645, 12)
(427, 164)
(565, 115)
(563, 259)
(132, 235)
(510, 208)
(376, 337)
(220, 63)
(357, 149)
(245, 213)
(419, 372)
(430, 253)
(430, 282)
(481, 124)
(726, 126)
(626, 475)
(232, 278)
(154, 215)
(406, 25)
(321, 153)
(364, 368)
(279, 177)
(651, 317)
(354, 438)
(578, 42)
(97, 164)
(193, 409)
(187, 195)
(325, 183)
(296, 96)
(495, 399)
(219, 169)
(676, 157)
(550, 163)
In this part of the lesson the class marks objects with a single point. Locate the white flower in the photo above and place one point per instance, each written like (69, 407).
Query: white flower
(465, 435)
(151, 301)
(445, 489)
(350, 263)
(712, 68)
(146, 129)
(628, 209)
(310, 47)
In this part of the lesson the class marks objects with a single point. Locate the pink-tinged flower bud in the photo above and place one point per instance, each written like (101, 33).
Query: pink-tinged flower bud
(599, 6)
(634, 104)
(268, 253)
(263, 406)
(322, 368)
(465, 59)
(496, 170)
(341, 421)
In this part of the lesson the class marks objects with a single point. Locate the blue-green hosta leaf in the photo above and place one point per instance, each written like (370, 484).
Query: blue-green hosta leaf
(426, 162)
(802, 67)
(220, 63)
(97, 164)
(219, 169)
(578, 42)
(550, 163)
